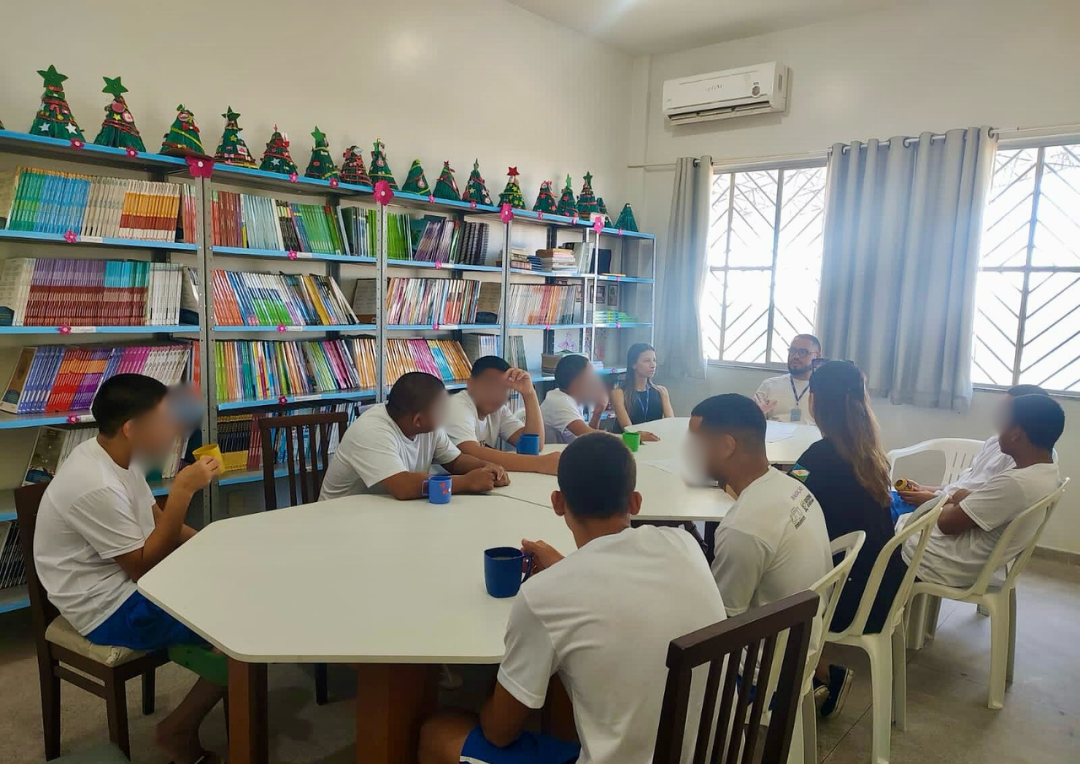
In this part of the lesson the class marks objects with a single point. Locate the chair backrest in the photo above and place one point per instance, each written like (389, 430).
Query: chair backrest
(723, 646)
(922, 524)
(958, 453)
(42, 611)
(307, 453)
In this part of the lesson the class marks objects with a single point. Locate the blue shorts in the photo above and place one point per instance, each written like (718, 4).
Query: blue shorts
(529, 748)
(141, 625)
(899, 507)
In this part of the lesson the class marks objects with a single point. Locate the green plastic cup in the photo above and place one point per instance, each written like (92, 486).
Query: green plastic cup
(632, 440)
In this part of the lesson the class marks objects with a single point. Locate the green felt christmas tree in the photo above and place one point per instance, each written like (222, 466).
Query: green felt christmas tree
(475, 190)
(54, 119)
(545, 200)
(446, 185)
(353, 169)
(277, 158)
(232, 149)
(567, 205)
(118, 128)
(416, 183)
(586, 202)
(321, 165)
(512, 193)
(626, 220)
(380, 168)
(601, 209)
(183, 136)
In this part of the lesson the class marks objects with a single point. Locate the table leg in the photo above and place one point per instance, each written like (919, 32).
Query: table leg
(557, 715)
(247, 713)
(392, 701)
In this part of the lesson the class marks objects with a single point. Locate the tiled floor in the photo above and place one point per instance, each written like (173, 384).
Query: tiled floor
(947, 685)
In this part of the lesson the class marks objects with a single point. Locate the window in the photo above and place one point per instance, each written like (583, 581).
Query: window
(1027, 304)
(765, 243)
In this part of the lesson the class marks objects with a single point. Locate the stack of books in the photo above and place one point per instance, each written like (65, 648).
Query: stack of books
(519, 259)
(480, 345)
(359, 225)
(398, 236)
(63, 292)
(421, 301)
(268, 299)
(435, 238)
(47, 201)
(544, 304)
(557, 260)
(472, 245)
(515, 352)
(53, 378)
(259, 222)
(612, 316)
(55, 444)
(12, 569)
(444, 359)
(262, 369)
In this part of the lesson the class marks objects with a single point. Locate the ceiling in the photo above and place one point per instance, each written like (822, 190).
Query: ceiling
(662, 26)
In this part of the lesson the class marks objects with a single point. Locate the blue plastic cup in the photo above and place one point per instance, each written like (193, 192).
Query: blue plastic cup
(505, 570)
(528, 443)
(438, 489)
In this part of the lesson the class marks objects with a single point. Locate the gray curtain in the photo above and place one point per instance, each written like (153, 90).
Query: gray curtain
(902, 230)
(678, 332)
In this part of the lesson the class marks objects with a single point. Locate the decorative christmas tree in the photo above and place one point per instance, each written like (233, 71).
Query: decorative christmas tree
(1, 124)
(380, 169)
(446, 185)
(512, 193)
(601, 209)
(183, 136)
(586, 203)
(475, 190)
(416, 183)
(567, 205)
(545, 200)
(232, 149)
(321, 165)
(352, 169)
(626, 220)
(118, 129)
(277, 158)
(54, 118)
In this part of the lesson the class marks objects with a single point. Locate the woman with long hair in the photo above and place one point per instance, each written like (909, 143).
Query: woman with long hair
(637, 399)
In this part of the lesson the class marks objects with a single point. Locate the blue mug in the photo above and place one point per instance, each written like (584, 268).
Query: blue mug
(528, 443)
(505, 570)
(438, 489)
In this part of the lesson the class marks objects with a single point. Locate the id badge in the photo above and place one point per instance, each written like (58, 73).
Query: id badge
(796, 415)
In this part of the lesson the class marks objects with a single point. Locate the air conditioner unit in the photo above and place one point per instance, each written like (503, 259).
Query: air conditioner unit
(760, 89)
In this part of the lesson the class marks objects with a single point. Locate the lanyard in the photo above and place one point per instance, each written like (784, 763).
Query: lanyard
(798, 397)
(645, 405)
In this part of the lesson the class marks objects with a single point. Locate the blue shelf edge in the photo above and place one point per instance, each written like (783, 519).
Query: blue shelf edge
(343, 395)
(440, 327)
(624, 279)
(78, 330)
(437, 203)
(442, 266)
(145, 159)
(15, 599)
(284, 255)
(626, 325)
(295, 329)
(58, 238)
(232, 172)
(27, 421)
(548, 327)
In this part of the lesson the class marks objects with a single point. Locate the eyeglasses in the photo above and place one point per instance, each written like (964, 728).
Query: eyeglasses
(799, 352)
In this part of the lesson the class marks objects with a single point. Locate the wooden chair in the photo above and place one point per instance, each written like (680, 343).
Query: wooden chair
(102, 670)
(732, 649)
(307, 439)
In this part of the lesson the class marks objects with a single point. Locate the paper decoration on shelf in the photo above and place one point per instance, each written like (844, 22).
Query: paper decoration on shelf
(475, 190)
(446, 185)
(321, 165)
(384, 194)
(183, 136)
(118, 128)
(506, 212)
(545, 200)
(380, 168)
(601, 209)
(1, 124)
(626, 220)
(567, 205)
(416, 183)
(353, 169)
(586, 203)
(276, 158)
(232, 149)
(54, 118)
(512, 193)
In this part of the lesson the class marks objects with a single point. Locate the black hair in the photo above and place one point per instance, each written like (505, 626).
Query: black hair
(597, 475)
(489, 362)
(735, 415)
(1040, 417)
(568, 369)
(1018, 390)
(124, 397)
(632, 354)
(413, 393)
(814, 340)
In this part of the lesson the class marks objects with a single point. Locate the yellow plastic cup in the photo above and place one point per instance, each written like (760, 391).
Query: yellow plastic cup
(211, 449)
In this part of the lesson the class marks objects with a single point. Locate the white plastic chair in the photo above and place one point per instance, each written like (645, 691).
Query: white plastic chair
(999, 600)
(958, 453)
(887, 649)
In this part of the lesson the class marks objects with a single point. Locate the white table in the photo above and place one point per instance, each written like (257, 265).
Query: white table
(784, 442)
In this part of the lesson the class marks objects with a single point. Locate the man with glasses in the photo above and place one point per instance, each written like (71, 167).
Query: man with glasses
(783, 398)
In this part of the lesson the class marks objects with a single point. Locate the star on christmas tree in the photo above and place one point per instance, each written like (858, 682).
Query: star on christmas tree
(415, 183)
(512, 193)
(321, 165)
(380, 169)
(475, 190)
(446, 185)
(586, 203)
(118, 128)
(276, 158)
(567, 205)
(232, 149)
(545, 200)
(352, 169)
(54, 119)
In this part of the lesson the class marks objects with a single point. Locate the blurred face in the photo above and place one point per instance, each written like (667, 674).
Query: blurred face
(1003, 415)
(588, 387)
(434, 417)
(1010, 436)
(489, 391)
(801, 356)
(646, 364)
(152, 434)
(711, 452)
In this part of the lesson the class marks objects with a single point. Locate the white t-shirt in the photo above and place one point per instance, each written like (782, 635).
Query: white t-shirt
(779, 389)
(958, 560)
(93, 511)
(374, 448)
(465, 423)
(602, 619)
(987, 463)
(559, 411)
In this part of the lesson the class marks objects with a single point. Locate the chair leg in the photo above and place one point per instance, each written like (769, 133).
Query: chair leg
(1012, 636)
(148, 689)
(933, 610)
(879, 650)
(321, 692)
(116, 710)
(899, 669)
(50, 706)
(809, 728)
(916, 621)
(999, 648)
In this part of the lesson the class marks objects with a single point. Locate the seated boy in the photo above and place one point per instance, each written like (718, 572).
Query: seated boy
(479, 416)
(576, 384)
(391, 447)
(99, 530)
(601, 618)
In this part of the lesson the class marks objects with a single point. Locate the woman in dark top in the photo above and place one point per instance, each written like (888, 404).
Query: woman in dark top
(637, 399)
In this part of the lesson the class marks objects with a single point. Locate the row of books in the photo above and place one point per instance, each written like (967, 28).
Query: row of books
(269, 299)
(445, 359)
(479, 345)
(557, 260)
(259, 222)
(544, 304)
(54, 378)
(611, 316)
(12, 568)
(359, 225)
(429, 301)
(58, 292)
(55, 444)
(47, 201)
(444, 240)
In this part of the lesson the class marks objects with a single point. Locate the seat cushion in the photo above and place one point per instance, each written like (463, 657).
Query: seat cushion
(62, 633)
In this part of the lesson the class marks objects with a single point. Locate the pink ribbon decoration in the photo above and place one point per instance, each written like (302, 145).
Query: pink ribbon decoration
(292, 254)
(383, 193)
(281, 327)
(334, 183)
(574, 218)
(506, 213)
(620, 232)
(200, 168)
(65, 329)
(76, 143)
(70, 237)
(598, 224)
(131, 152)
(72, 419)
(438, 265)
(472, 205)
(539, 215)
(431, 198)
(282, 400)
(435, 327)
(293, 177)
